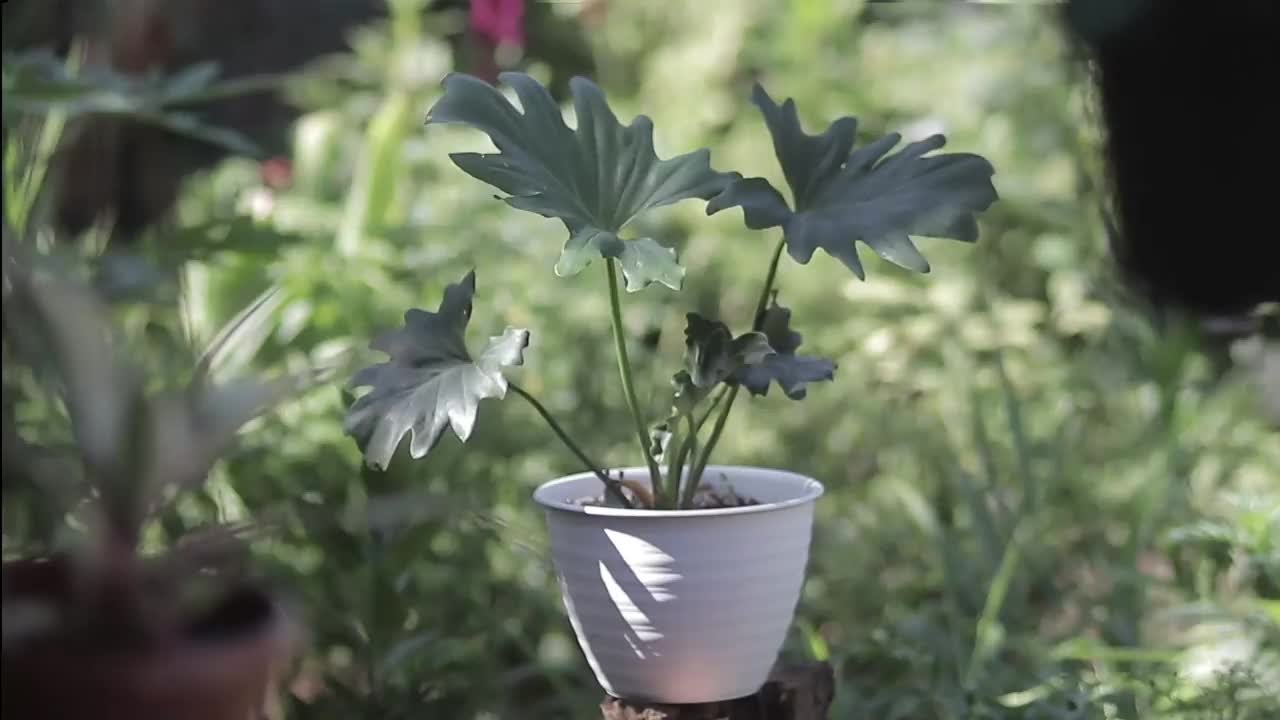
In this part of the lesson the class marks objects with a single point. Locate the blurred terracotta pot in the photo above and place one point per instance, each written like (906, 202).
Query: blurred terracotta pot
(217, 667)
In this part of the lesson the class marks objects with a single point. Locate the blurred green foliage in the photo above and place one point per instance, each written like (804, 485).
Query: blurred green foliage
(1044, 501)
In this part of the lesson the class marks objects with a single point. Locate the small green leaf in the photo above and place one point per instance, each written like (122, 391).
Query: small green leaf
(660, 439)
(712, 354)
(843, 195)
(431, 380)
(643, 260)
(792, 372)
(595, 178)
(686, 397)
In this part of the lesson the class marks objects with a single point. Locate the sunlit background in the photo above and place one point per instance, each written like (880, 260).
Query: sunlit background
(1044, 499)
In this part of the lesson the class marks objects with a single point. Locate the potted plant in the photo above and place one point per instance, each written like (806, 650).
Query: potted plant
(660, 611)
(105, 630)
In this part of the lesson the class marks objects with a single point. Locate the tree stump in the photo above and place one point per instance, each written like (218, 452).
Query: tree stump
(798, 691)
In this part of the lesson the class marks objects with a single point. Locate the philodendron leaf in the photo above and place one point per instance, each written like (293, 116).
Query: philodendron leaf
(595, 178)
(792, 372)
(430, 380)
(842, 195)
(713, 354)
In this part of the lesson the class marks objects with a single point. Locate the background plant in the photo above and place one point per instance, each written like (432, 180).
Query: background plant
(1045, 500)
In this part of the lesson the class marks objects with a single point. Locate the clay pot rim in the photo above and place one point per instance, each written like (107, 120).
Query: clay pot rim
(272, 628)
(207, 673)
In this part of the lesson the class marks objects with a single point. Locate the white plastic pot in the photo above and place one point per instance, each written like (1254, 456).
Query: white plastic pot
(682, 606)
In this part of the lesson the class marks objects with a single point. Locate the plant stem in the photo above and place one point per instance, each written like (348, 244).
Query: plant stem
(756, 324)
(691, 484)
(711, 408)
(763, 303)
(628, 388)
(700, 463)
(689, 443)
(680, 455)
(611, 486)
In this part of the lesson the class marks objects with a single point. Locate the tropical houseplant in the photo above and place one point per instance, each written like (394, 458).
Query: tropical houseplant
(99, 624)
(640, 550)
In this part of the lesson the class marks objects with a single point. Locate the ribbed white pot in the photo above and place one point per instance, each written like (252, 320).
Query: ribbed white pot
(682, 606)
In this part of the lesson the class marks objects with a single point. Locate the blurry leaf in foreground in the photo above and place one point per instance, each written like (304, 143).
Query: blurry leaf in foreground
(237, 234)
(134, 443)
(39, 82)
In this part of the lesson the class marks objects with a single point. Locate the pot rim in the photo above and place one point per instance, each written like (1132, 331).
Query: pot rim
(278, 628)
(811, 490)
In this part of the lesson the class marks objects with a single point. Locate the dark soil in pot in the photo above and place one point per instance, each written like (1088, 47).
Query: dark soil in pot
(215, 665)
(708, 497)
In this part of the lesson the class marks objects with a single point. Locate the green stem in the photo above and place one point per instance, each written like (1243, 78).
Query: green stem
(611, 486)
(756, 324)
(680, 454)
(691, 485)
(711, 408)
(700, 465)
(628, 388)
(689, 443)
(765, 292)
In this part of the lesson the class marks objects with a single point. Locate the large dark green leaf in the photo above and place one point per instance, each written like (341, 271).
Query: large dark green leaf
(430, 380)
(842, 195)
(792, 372)
(595, 178)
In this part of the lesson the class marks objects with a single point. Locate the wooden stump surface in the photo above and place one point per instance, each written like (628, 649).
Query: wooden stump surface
(795, 691)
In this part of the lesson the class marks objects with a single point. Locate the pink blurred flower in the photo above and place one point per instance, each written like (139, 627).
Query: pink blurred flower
(500, 21)
(277, 171)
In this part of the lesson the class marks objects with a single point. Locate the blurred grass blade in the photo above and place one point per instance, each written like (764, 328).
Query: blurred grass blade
(988, 634)
(26, 168)
(1089, 650)
(405, 649)
(98, 387)
(1018, 433)
(814, 641)
(242, 336)
(993, 536)
(372, 191)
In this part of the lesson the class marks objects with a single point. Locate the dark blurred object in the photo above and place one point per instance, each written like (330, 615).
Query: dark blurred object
(1188, 92)
(218, 669)
(108, 630)
(131, 170)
